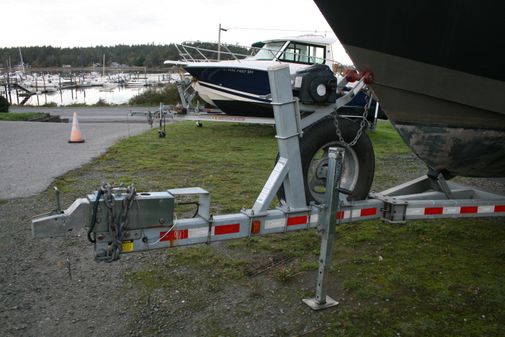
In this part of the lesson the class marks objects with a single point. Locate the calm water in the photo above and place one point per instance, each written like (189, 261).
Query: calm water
(87, 95)
(118, 95)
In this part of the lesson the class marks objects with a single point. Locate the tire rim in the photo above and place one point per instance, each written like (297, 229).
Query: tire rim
(318, 170)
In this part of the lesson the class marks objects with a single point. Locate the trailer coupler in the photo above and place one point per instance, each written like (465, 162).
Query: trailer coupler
(54, 224)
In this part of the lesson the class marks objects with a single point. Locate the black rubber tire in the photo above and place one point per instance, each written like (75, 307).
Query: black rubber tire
(322, 135)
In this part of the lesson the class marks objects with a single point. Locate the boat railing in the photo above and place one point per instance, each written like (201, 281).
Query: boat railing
(198, 54)
(192, 54)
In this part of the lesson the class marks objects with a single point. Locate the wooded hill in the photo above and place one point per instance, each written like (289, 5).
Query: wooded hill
(145, 55)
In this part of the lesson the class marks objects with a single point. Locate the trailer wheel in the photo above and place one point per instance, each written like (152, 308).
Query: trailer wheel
(359, 160)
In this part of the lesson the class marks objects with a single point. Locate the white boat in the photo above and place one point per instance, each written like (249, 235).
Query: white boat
(136, 83)
(241, 86)
(109, 86)
(43, 83)
(83, 81)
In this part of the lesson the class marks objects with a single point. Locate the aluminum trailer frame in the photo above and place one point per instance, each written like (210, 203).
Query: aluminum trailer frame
(427, 197)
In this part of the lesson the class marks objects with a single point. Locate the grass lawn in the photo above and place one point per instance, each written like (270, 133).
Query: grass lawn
(424, 278)
(19, 116)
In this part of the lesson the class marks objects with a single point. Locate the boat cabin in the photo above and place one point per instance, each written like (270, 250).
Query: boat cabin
(306, 49)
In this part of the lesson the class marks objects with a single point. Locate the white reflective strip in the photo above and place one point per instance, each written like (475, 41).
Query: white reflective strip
(198, 233)
(194, 233)
(356, 213)
(451, 210)
(276, 223)
(414, 211)
(485, 209)
(314, 218)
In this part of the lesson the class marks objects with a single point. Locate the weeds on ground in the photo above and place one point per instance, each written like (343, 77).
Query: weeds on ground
(20, 116)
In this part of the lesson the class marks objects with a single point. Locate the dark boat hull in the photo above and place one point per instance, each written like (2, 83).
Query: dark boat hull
(445, 104)
(247, 109)
(246, 92)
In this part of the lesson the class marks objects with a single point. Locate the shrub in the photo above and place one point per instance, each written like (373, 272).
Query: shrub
(102, 102)
(155, 96)
(4, 104)
(49, 105)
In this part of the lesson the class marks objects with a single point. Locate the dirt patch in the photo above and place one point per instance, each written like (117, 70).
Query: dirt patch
(46, 117)
(39, 296)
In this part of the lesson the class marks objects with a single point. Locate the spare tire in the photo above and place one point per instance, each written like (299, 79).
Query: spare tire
(359, 160)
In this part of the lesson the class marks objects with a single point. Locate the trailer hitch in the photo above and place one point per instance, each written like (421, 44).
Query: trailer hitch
(60, 223)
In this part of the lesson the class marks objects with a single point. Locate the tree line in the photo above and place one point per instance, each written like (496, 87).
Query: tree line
(144, 55)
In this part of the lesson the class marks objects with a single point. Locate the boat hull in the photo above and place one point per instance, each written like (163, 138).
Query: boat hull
(444, 103)
(232, 102)
(246, 92)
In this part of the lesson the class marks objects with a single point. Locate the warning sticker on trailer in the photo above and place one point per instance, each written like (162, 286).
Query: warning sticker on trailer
(127, 246)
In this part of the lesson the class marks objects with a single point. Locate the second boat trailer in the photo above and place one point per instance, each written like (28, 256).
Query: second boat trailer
(121, 220)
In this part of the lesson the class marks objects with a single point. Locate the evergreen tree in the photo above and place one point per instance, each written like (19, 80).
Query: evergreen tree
(145, 55)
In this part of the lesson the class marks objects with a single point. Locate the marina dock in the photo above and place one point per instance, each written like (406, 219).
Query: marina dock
(19, 86)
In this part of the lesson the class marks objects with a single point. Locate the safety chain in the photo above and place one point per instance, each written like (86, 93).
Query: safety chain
(361, 125)
(116, 224)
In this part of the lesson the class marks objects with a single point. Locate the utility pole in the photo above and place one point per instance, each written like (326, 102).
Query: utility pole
(219, 42)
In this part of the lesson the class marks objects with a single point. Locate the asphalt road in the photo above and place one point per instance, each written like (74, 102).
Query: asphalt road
(33, 154)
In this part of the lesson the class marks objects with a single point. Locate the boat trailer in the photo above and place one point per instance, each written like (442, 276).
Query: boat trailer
(121, 220)
(189, 109)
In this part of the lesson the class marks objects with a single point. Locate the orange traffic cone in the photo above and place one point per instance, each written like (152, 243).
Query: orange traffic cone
(75, 134)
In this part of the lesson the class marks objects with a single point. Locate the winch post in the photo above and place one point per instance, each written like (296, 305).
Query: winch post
(288, 170)
(328, 217)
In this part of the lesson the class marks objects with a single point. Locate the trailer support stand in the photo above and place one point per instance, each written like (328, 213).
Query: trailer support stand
(328, 217)
(288, 170)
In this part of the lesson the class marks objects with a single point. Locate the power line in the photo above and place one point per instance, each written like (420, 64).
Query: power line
(283, 30)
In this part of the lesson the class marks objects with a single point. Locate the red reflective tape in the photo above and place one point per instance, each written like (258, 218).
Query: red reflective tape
(340, 215)
(499, 208)
(368, 211)
(468, 209)
(433, 210)
(298, 220)
(227, 229)
(174, 235)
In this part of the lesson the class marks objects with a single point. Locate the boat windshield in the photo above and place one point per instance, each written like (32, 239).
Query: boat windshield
(295, 52)
(269, 51)
(303, 53)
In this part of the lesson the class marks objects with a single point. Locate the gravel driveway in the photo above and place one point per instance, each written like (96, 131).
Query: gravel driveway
(33, 154)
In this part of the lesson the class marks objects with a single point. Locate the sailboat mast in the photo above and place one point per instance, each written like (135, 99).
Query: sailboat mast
(21, 60)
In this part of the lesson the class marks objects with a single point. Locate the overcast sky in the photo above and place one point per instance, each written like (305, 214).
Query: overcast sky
(74, 23)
